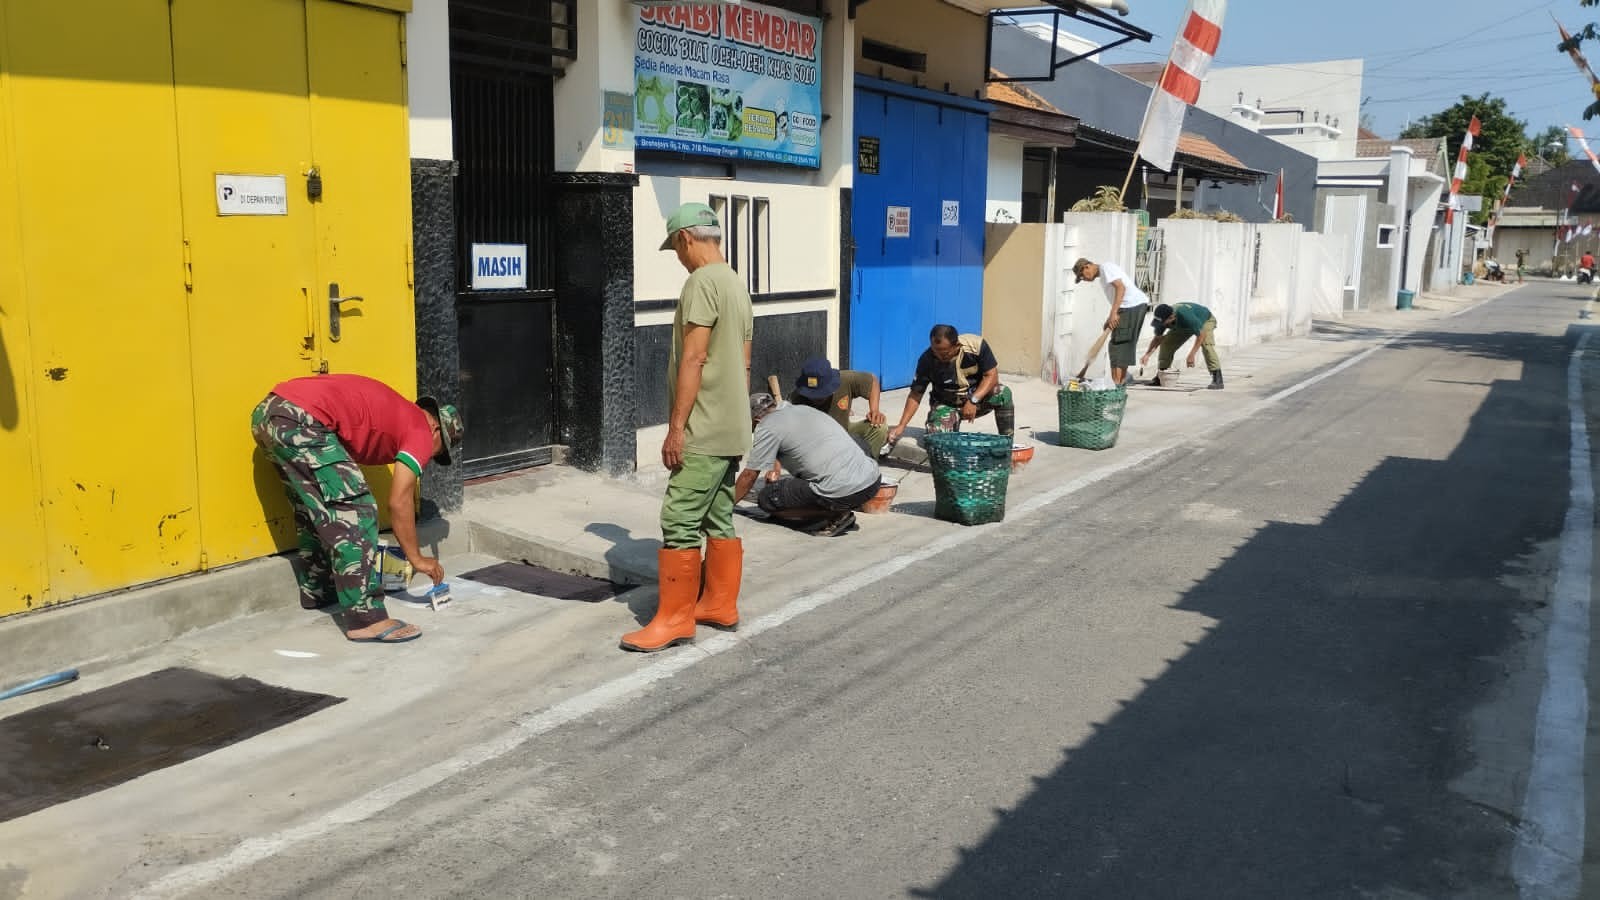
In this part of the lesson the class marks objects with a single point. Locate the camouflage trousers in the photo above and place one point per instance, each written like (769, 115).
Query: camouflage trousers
(943, 417)
(335, 514)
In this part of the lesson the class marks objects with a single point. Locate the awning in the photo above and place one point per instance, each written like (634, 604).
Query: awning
(1199, 157)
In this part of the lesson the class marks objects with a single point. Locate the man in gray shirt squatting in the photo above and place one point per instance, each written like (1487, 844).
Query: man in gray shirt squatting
(817, 475)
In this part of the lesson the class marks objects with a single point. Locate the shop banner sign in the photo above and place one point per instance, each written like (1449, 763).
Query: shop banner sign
(738, 82)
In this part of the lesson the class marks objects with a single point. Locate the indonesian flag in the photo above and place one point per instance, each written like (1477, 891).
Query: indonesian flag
(1578, 60)
(1473, 128)
(1179, 88)
(1505, 196)
(1277, 204)
(1582, 142)
(1516, 172)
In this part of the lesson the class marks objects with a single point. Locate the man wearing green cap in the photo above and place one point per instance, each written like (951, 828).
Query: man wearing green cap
(319, 431)
(708, 430)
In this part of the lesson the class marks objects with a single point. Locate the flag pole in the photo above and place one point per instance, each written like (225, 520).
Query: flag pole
(1139, 141)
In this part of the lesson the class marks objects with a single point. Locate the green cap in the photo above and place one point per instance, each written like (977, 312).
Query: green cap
(688, 216)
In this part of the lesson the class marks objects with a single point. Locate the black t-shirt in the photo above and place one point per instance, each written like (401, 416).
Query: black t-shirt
(942, 375)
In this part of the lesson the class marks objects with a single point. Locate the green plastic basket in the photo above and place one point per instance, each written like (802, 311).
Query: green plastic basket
(1091, 420)
(970, 473)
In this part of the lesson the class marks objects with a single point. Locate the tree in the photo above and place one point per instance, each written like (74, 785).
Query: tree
(1551, 144)
(1500, 138)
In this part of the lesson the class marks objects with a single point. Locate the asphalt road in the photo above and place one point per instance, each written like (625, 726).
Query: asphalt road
(1298, 659)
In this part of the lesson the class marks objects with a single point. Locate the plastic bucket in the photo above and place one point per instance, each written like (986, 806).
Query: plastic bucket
(1404, 298)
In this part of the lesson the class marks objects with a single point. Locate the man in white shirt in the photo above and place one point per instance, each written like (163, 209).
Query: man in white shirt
(1129, 306)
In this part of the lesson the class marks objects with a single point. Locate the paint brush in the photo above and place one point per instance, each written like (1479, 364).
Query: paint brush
(439, 595)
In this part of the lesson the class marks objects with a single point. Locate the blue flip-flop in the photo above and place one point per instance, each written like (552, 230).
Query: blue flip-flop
(380, 637)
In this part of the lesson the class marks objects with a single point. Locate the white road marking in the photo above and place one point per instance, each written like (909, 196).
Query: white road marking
(1548, 858)
(257, 849)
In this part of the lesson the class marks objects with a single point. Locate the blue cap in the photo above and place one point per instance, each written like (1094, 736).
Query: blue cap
(818, 380)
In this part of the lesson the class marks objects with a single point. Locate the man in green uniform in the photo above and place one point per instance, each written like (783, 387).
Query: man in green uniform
(708, 430)
(832, 391)
(1174, 326)
(318, 432)
(964, 377)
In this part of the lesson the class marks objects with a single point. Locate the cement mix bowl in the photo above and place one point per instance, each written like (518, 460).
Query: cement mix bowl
(882, 500)
(1021, 454)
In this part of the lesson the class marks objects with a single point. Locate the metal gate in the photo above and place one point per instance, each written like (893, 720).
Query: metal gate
(1149, 265)
(504, 58)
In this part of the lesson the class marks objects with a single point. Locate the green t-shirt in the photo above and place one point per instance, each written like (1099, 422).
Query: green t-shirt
(1191, 317)
(719, 423)
(852, 384)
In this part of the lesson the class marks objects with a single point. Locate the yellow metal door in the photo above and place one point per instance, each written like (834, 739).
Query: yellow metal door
(93, 131)
(22, 541)
(244, 131)
(359, 134)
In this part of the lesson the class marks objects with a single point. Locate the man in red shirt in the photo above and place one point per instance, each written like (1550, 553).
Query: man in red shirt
(319, 431)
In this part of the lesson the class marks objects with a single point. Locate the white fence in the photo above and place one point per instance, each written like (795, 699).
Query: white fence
(1260, 281)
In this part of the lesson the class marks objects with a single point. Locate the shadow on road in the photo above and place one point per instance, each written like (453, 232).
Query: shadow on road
(1305, 746)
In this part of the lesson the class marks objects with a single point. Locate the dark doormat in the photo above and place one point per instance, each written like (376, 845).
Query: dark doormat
(72, 748)
(531, 579)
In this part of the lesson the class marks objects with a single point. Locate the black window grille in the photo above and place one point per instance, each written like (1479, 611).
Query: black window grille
(505, 55)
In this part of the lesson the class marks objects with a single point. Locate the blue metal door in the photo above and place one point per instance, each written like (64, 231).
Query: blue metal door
(918, 228)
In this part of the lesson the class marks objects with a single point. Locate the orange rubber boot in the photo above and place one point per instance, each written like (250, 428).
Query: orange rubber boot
(673, 622)
(719, 598)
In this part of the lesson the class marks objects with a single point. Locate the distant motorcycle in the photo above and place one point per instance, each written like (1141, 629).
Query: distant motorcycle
(1585, 276)
(1493, 271)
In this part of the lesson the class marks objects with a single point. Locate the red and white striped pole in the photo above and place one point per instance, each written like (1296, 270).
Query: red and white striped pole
(1473, 128)
(1505, 196)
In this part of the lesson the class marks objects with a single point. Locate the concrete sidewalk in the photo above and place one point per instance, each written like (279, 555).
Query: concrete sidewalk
(578, 522)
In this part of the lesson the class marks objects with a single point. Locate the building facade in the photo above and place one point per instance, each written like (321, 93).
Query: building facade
(462, 197)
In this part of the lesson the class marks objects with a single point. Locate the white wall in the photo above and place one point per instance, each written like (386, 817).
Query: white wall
(1424, 194)
(1277, 281)
(1005, 180)
(1206, 263)
(1321, 279)
(1073, 314)
(428, 79)
(804, 243)
(604, 63)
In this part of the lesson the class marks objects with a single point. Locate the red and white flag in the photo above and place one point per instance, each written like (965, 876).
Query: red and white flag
(1582, 142)
(1579, 61)
(1179, 88)
(1473, 128)
(1277, 204)
(1505, 196)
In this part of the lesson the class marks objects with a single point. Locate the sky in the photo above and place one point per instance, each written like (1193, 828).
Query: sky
(1421, 55)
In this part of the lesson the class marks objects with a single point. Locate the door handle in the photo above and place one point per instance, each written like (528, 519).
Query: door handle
(334, 311)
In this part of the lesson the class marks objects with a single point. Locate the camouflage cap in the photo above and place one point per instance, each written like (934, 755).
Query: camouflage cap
(451, 428)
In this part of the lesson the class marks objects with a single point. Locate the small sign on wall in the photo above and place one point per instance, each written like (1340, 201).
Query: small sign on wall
(252, 195)
(499, 267)
(616, 126)
(899, 224)
(867, 155)
(950, 214)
